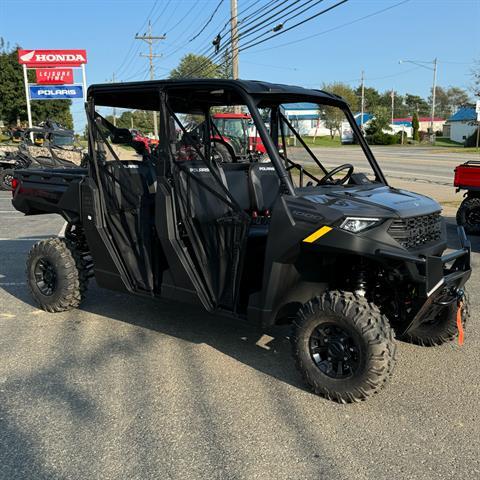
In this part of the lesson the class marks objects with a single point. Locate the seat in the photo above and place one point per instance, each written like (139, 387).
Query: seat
(201, 203)
(265, 186)
(237, 177)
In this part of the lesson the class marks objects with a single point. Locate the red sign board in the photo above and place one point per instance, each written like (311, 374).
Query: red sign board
(52, 58)
(54, 76)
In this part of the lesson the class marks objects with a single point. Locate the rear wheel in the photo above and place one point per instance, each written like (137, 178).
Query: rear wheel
(221, 153)
(6, 177)
(468, 215)
(343, 346)
(442, 328)
(57, 275)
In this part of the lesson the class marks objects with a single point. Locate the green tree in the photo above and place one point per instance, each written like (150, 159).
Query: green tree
(12, 94)
(138, 119)
(415, 127)
(458, 97)
(415, 103)
(371, 99)
(333, 116)
(448, 101)
(380, 122)
(196, 66)
(475, 88)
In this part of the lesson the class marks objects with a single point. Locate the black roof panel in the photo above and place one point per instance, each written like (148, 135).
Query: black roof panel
(139, 94)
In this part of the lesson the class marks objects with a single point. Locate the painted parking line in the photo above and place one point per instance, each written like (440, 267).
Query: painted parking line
(28, 239)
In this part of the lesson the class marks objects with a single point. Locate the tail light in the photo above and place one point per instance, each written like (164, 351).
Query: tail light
(15, 183)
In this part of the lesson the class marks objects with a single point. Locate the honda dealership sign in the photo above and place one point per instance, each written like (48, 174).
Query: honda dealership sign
(43, 92)
(52, 58)
(54, 76)
(54, 70)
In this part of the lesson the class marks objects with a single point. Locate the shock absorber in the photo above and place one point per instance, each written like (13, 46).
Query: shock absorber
(361, 285)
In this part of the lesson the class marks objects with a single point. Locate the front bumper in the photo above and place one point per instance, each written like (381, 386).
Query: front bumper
(440, 279)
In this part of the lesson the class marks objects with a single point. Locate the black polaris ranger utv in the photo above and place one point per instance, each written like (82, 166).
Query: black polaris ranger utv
(320, 241)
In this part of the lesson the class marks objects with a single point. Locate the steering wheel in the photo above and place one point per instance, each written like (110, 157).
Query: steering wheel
(333, 172)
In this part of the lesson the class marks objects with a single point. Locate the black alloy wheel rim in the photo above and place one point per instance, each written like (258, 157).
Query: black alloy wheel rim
(334, 351)
(45, 277)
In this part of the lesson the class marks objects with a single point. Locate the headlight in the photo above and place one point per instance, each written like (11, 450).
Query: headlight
(358, 224)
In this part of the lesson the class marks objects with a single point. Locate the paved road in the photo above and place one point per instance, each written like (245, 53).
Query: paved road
(405, 163)
(130, 389)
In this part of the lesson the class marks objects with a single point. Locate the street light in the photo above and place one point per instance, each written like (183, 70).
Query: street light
(424, 64)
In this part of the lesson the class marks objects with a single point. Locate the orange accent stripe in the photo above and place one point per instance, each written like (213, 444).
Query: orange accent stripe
(461, 334)
(317, 234)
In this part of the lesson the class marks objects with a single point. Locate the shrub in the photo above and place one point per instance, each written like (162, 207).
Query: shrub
(380, 138)
(471, 141)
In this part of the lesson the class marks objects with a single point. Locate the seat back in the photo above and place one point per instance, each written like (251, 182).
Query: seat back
(133, 182)
(202, 204)
(237, 177)
(265, 186)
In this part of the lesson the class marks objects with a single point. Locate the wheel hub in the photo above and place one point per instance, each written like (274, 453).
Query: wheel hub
(334, 351)
(45, 277)
(473, 217)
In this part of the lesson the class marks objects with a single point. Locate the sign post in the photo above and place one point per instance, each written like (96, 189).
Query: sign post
(27, 94)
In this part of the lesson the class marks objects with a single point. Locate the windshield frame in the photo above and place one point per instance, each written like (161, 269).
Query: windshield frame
(269, 101)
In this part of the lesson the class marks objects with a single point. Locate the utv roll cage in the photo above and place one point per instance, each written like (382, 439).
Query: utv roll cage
(188, 95)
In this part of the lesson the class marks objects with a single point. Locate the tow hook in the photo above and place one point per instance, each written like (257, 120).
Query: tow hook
(461, 333)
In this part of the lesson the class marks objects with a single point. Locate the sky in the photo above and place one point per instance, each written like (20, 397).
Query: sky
(357, 35)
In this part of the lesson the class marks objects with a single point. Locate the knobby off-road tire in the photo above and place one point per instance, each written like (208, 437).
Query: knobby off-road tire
(468, 215)
(442, 329)
(6, 176)
(352, 327)
(222, 153)
(57, 275)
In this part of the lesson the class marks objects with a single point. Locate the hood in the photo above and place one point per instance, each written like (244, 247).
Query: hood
(381, 201)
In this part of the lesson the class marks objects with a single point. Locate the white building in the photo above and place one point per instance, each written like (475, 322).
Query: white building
(461, 125)
(305, 117)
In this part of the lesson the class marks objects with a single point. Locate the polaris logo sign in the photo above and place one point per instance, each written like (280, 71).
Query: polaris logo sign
(41, 92)
(52, 58)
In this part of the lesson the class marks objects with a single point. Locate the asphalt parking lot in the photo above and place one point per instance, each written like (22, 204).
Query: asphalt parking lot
(126, 388)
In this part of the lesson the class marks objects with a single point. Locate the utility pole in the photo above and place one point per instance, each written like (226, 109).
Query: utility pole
(114, 112)
(234, 41)
(424, 64)
(363, 101)
(234, 37)
(150, 39)
(393, 103)
(434, 91)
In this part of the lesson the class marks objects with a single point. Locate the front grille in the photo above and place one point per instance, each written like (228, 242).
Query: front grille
(417, 231)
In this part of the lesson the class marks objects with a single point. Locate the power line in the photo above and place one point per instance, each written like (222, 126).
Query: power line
(252, 29)
(338, 4)
(250, 44)
(378, 12)
(208, 21)
(209, 45)
(296, 14)
(133, 41)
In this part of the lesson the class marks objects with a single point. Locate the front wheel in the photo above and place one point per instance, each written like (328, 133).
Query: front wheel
(468, 215)
(343, 346)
